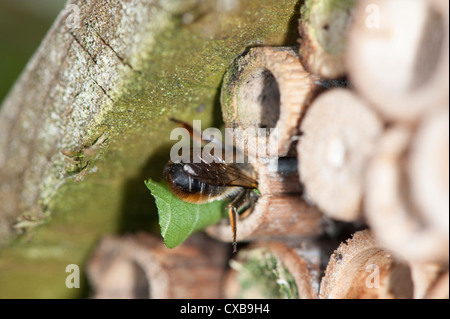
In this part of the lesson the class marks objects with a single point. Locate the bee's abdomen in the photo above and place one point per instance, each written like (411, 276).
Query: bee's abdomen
(189, 188)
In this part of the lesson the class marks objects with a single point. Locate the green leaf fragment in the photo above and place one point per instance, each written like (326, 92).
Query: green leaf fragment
(179, 219)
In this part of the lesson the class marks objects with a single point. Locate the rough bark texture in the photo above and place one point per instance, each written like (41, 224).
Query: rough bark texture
(126, 68)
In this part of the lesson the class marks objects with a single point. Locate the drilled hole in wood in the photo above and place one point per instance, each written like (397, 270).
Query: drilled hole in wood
(140, 284)
(123, 278)
(260, 97)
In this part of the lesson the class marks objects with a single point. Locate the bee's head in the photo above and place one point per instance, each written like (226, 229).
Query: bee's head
(182, 184)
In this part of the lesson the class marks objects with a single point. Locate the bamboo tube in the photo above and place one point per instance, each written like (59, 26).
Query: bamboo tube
(279, 211)
(266, 88)
(323, 32)
(338, 135)
(397, 56)
(273, 217)
(361, 269)
(397, 223)
(141, 267)
(274, 270)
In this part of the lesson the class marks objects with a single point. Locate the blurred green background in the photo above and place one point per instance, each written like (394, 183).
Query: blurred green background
(23, 24)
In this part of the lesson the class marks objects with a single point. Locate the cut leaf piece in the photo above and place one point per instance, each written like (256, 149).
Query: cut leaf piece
(179, 219)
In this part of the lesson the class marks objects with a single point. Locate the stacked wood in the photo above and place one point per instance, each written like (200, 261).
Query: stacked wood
(375, 152)
(398, 56)
(397, 60)
(386, 164)
(140, 266)
(267, 88)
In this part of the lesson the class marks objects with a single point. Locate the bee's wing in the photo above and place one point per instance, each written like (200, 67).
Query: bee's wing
(221, 174)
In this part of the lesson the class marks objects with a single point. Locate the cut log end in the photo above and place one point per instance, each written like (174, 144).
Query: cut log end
(338, 135)
(428, 169)
(399, 224)
(361, 269)
(323, 33)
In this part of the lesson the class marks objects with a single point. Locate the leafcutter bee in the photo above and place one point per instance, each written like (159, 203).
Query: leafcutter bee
(210, 179)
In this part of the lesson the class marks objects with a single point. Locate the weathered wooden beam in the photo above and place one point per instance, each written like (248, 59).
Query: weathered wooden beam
(117, 76)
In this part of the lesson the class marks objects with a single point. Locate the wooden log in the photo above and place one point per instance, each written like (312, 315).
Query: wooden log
(323, 31)
(274, 270)
(361, 269)
(396, 221)
(265, 88)
(338, 135)
(428, 169)
(398, 56)
(273, 217)
(139, 266)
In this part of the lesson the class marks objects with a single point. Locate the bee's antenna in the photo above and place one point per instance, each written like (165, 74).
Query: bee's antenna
(192, 133)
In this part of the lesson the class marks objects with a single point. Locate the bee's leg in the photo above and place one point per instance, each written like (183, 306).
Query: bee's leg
(233, 216)
(250, 198)
(233, 207)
